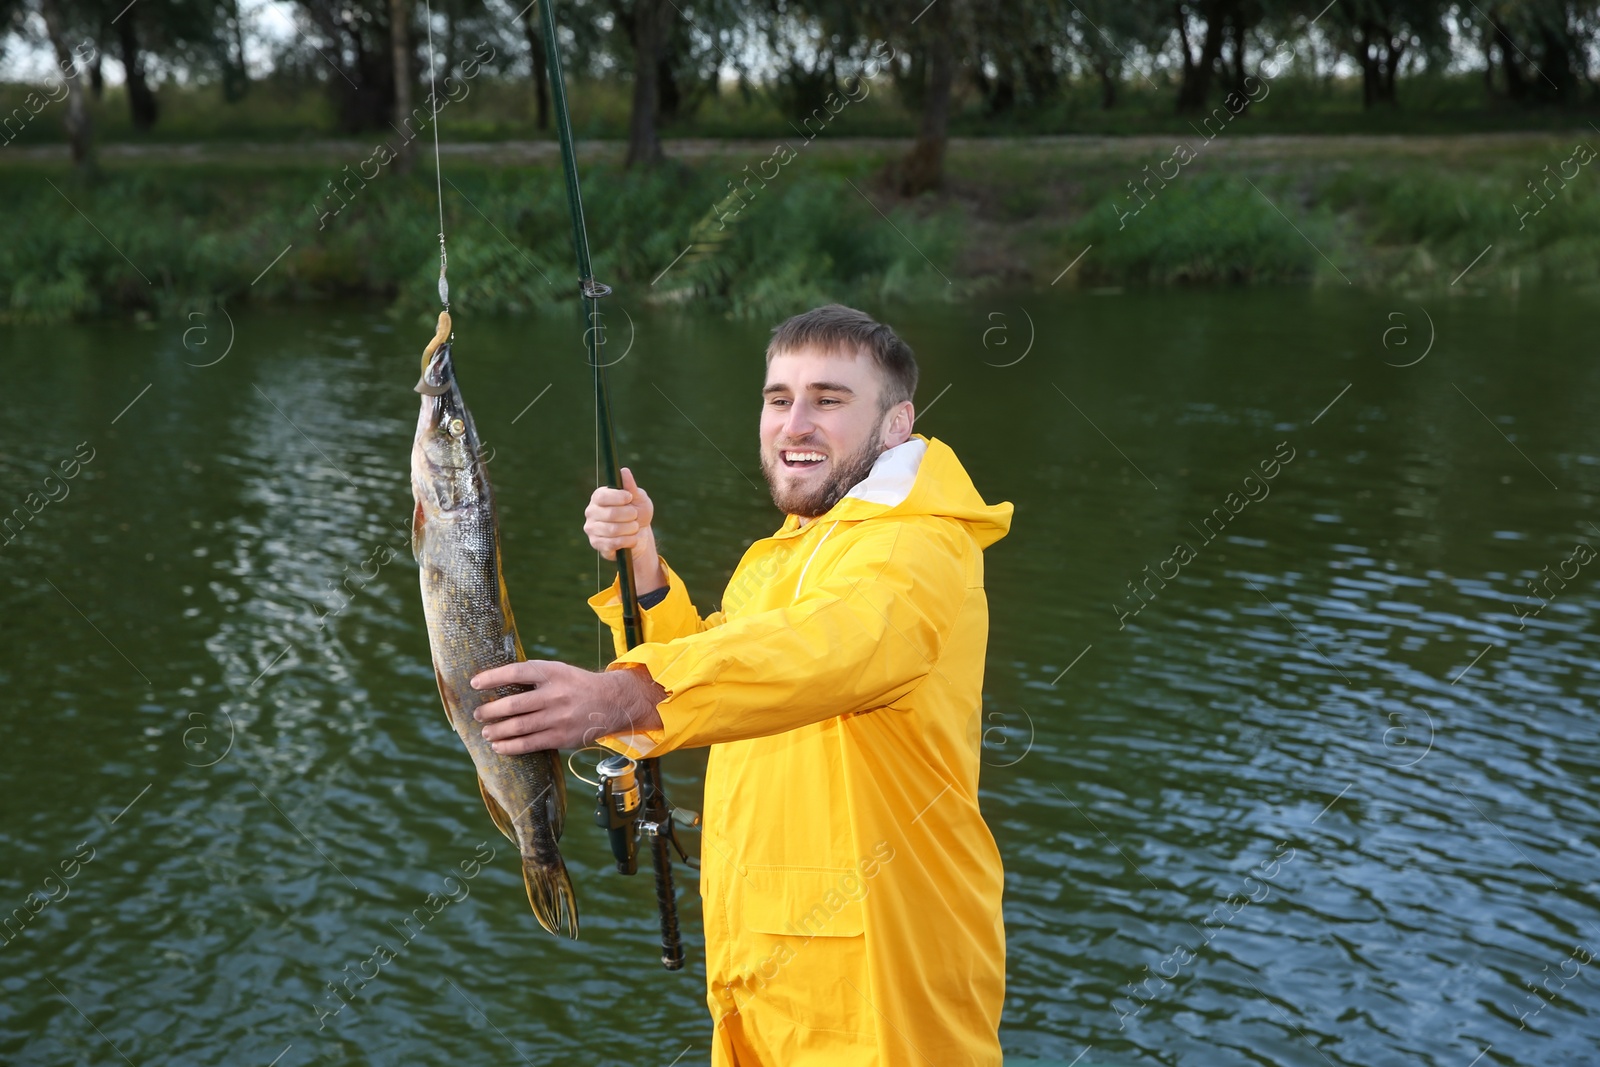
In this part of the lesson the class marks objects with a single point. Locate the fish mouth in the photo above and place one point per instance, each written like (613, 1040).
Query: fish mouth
(438, 373)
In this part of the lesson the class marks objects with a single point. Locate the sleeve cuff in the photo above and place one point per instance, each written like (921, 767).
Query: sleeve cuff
(670, 615)
(637, 744)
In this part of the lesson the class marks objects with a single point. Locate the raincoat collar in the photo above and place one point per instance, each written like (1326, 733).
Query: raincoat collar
(922, 476)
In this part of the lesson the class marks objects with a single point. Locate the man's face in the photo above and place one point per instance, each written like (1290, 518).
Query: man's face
(822, 427)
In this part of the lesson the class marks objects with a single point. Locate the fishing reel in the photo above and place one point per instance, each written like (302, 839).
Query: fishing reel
(620, 809)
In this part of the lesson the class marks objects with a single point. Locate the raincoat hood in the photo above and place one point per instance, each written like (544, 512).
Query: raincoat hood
(920, 477)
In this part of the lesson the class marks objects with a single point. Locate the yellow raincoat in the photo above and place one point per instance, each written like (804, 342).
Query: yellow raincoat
(851, 888)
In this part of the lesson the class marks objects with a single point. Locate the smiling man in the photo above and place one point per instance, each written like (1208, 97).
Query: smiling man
(851, 889)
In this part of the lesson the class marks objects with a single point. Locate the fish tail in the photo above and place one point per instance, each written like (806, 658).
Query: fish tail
(550, 894)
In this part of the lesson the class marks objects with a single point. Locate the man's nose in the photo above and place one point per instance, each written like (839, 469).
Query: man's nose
(799, 422)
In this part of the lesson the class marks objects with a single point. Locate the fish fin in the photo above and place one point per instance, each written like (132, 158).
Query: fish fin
(418, 523)
(556, 806)
(497, 813)
(550, 894)
(439, 680)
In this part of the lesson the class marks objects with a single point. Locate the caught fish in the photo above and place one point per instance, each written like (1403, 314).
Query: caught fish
(455, 538)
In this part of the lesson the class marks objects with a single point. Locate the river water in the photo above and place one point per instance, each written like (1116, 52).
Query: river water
(1288, 762)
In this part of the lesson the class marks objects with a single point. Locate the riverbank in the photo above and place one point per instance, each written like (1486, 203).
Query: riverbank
(756, 228)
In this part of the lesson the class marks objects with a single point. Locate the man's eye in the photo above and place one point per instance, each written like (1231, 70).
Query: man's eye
(777, 401)
(828, 400)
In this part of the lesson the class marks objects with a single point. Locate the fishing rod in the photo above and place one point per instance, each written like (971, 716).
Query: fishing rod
(621, 801)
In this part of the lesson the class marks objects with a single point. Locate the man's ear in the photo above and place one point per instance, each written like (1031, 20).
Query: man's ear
(897, 430)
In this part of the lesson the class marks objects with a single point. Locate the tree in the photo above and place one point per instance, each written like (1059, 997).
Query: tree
(661, 53)
(142, 106)
(1106, 33)
(1379, 34)
(355, 46)
(72, 62)
(809, 43)
(533, 27)
(1221, 26)
(692, 57)
(1539, 48)
(230, 51)
(929, 40)
(922, 169)
(400, 55)
(647, 29)
(1021, 43)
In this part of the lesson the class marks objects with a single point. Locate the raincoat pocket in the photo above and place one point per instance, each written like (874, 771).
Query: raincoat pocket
(803, 928)
(804, 901)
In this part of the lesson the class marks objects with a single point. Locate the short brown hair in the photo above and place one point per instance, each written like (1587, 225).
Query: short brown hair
(839, 329)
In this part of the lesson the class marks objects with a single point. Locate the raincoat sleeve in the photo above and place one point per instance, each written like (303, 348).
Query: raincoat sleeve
(675, 616)
(861, 638)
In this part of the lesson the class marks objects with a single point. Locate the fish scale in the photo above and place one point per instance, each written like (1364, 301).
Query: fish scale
(455, 538)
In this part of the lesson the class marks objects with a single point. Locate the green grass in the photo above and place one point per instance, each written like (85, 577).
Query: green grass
(160, 239)
(1211, 228)
(284, 109)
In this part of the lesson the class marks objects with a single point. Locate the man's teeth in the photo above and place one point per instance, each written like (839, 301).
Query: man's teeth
(804, 457)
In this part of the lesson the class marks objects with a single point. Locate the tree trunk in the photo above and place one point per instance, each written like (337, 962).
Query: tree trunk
(1516, 84)
(400, 47)
(922, 170)
(1196, 84)
(533, 26)
(1369, 64)
(1039, 73)
(142, 108)
(668, 94)
(1237, 74)
(235, 75)
(1395, 51)
(242, 79)
(79, 133)
(644, 134)
(1002, 92)
(1108, 86)
(1556, 59)
(452, 24)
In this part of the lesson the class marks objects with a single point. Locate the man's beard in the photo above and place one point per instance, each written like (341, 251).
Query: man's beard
(818, 500)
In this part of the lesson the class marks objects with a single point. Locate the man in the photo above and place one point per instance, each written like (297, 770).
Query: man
(851, 889)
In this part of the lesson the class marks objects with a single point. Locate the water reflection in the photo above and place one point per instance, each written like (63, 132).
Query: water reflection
(1318, 790)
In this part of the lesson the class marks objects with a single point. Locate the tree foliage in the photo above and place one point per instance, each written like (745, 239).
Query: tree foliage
(1023, 57)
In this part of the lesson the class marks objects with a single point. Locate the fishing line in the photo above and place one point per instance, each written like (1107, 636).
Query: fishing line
(438, 170)
(654, 814)
(578, 752)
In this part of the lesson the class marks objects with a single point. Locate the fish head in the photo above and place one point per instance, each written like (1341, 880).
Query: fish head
(447, 466)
